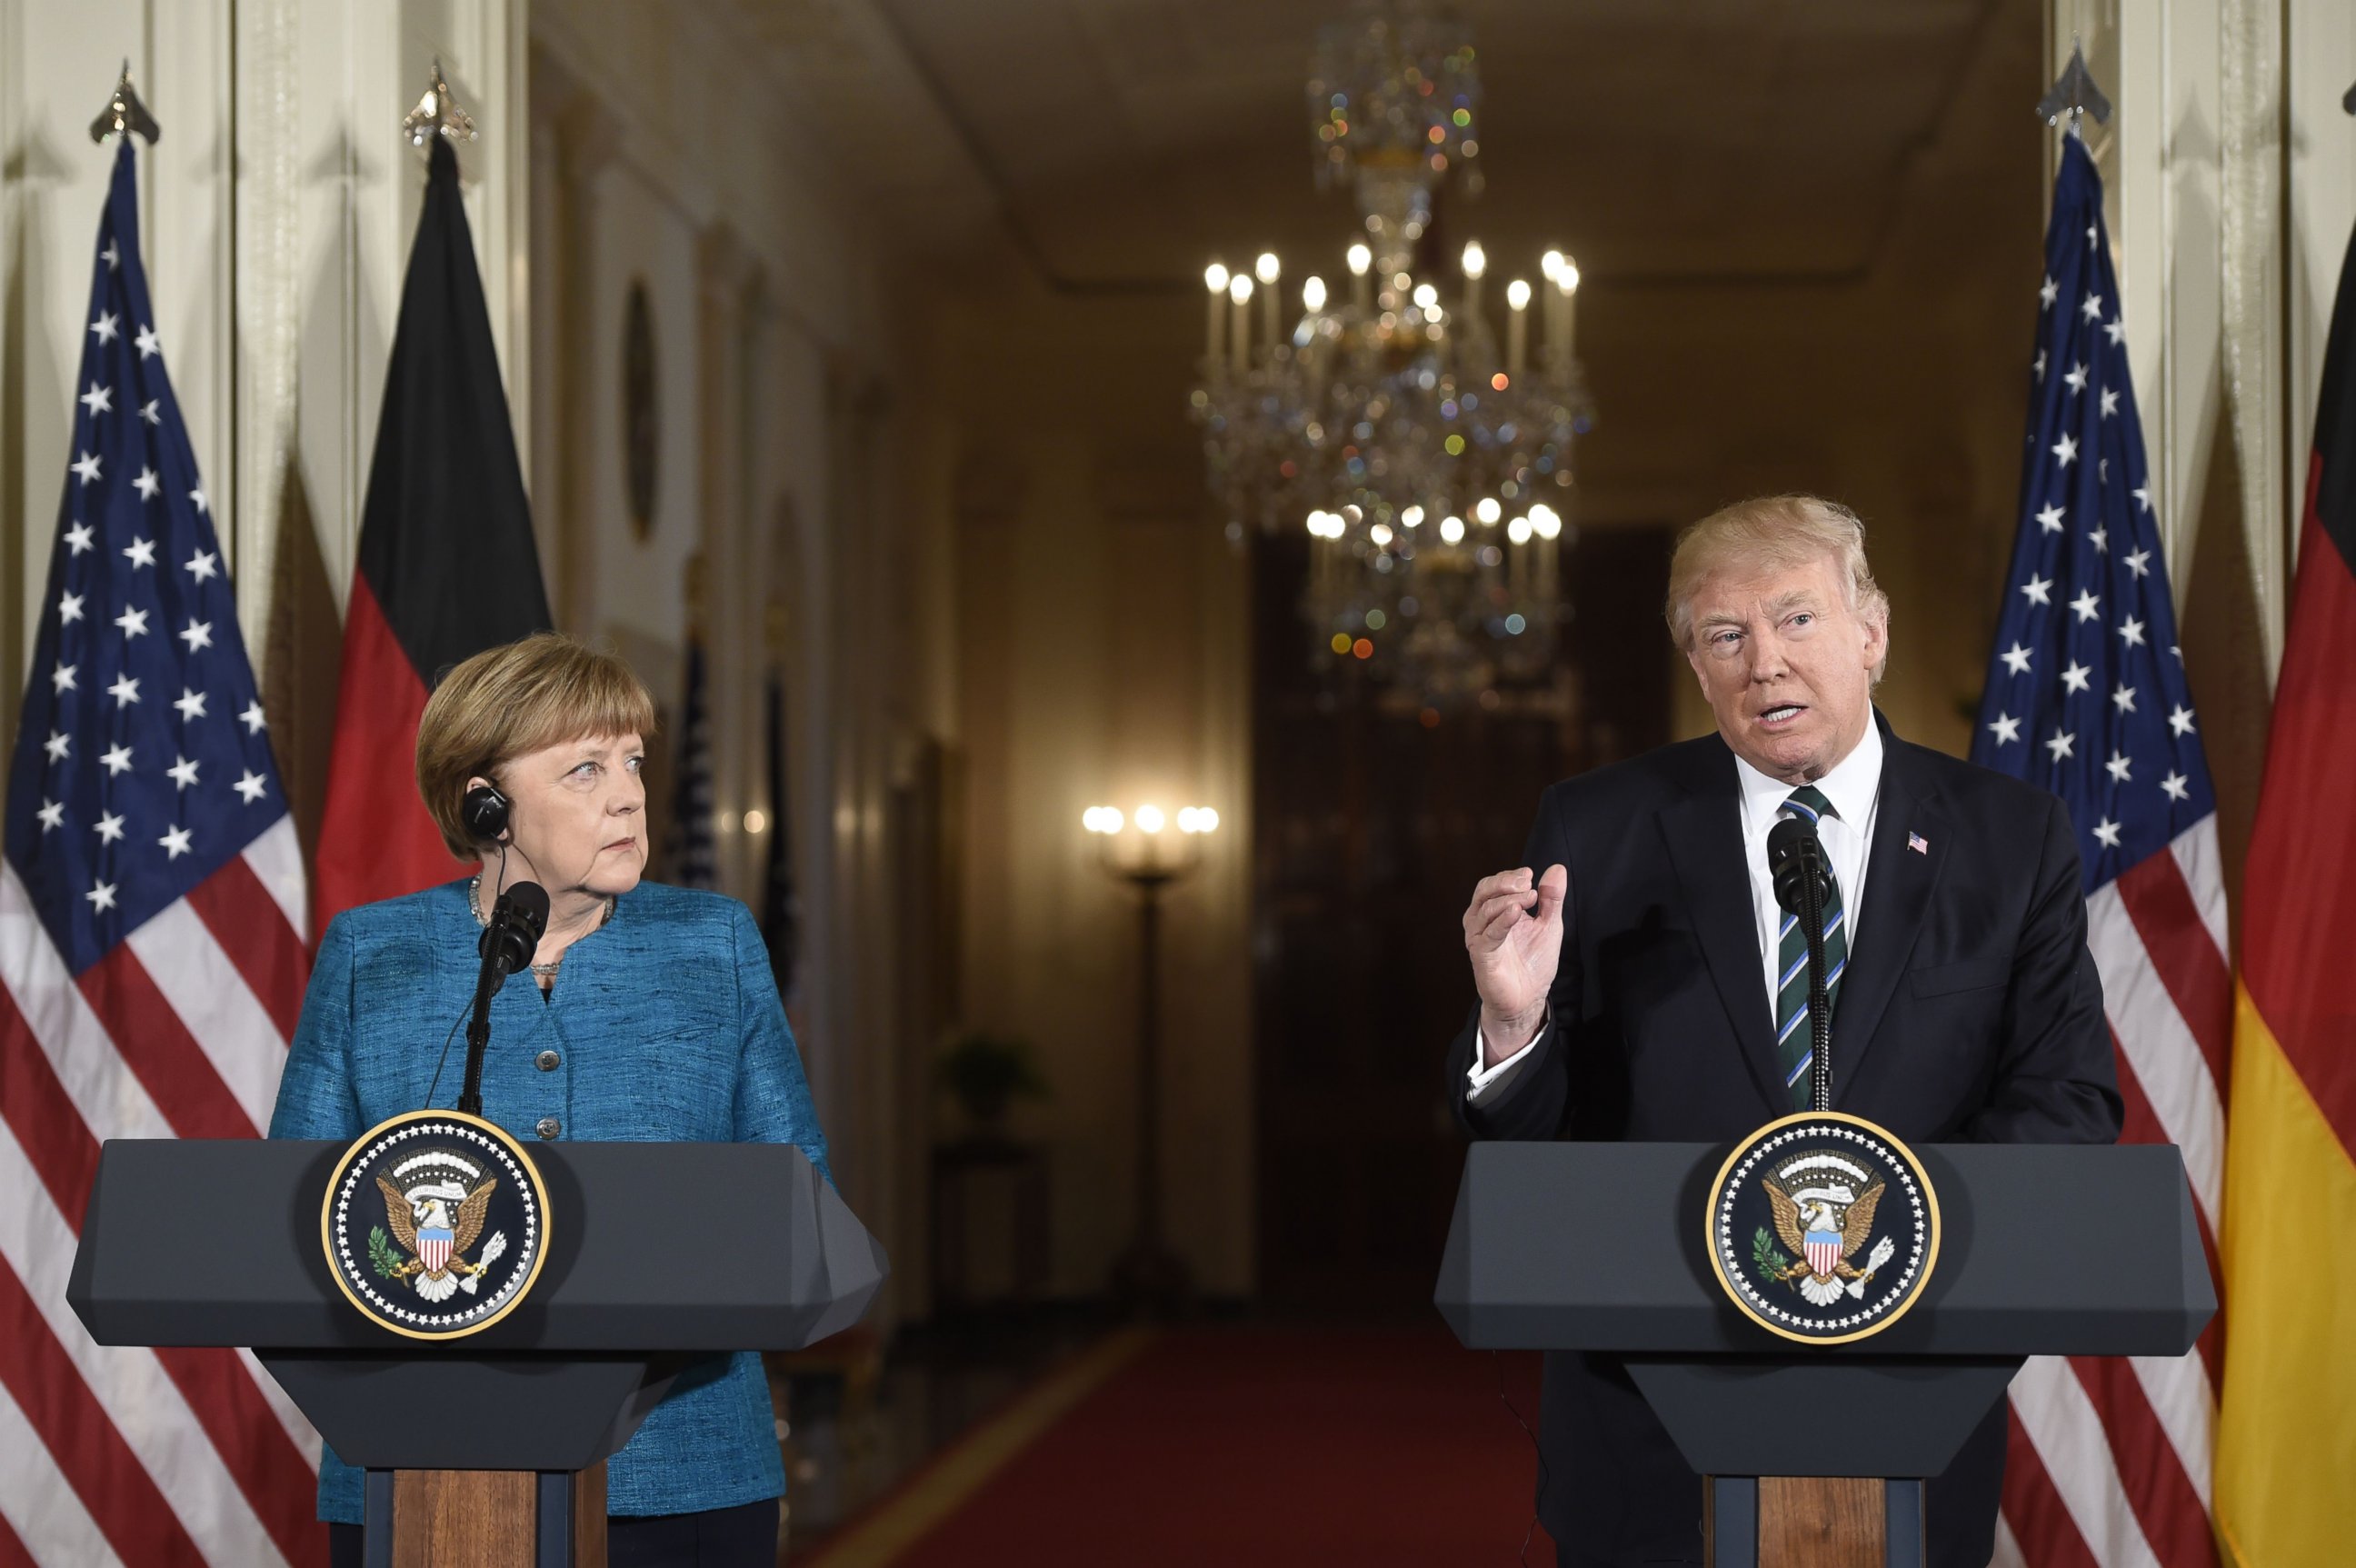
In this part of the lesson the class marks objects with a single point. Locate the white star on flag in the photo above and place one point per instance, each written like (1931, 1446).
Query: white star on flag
(146, 484)
(250, 787)
(2066, 450)
(191, 703)
(197, 634)
(109, 827)
(79, 537)
(182, 772)
(148, 346)
(107, 325)
(2050, 518)
(69, 609)
(2006, 728)
(2016, 658)
(174, 844)
(2108, 832)
(98, 399)
(2036, 588)
(86, 467)
(2074, 678)
(2086, 605)
(203, 564)
(2119, 766)
(2059, 743)
(140, 551)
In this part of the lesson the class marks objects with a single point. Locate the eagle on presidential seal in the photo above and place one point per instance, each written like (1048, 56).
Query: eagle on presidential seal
(436, 1222)
(1824, 1209)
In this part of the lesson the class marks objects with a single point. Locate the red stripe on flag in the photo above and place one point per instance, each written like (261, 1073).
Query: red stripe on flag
(252, 931)
(270, 1470)
(41, 1114)
(74, 1428)
(375, 839)
(2141, 1124)
(159, 1050)
(2047, 1535)
(12, 1551)
(2159, 902)
(2174, 1522)
(2299, 906)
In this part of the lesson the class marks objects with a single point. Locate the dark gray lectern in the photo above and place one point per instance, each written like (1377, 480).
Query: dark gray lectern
(660, 1256)
(2045, 1251)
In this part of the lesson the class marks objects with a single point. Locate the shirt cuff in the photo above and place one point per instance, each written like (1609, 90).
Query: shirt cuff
(1488, 1082)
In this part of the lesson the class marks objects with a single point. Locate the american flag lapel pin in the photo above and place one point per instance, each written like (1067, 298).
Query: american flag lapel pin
(1919, 844)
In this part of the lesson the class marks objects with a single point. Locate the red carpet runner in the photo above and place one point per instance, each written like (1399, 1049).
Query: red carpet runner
(1231, 1447)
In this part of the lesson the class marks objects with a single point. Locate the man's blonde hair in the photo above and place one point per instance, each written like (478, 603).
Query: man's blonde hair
(1774, 533)
(505, 701)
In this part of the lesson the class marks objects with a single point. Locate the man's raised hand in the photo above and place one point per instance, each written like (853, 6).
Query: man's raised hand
(1514, 935)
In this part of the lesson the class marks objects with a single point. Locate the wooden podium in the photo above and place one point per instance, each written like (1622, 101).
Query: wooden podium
(488, 1451)
(2047, 1249)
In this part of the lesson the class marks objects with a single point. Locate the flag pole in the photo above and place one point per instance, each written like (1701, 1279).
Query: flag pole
(125, 113)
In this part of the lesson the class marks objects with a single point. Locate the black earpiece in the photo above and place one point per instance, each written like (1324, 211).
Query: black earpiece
(485, 813)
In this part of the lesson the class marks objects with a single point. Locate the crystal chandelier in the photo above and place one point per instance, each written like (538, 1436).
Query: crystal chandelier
(1428, 467)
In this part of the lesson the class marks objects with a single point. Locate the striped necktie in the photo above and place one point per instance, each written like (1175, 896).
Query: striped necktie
(1794, 1046)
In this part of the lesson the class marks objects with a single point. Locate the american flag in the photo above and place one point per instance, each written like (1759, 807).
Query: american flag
(2109, 1462)
(151, 964)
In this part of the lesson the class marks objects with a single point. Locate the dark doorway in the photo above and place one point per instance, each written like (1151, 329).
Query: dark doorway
(1373, 820)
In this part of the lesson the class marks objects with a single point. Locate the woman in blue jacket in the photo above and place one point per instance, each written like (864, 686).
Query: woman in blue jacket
(649, 1014)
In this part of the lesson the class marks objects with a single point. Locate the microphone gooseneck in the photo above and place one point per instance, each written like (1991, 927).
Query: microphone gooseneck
(1803, 881)
(518, 921)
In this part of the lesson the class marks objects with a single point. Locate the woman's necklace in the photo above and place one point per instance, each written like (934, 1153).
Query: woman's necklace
(545, 971)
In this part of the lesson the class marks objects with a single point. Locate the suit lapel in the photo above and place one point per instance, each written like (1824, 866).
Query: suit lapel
(1899, 881)
(1704, 830)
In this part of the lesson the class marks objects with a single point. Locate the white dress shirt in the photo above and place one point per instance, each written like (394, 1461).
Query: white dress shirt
(1854, 788)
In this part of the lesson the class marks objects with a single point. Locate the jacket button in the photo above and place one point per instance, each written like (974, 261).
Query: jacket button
(549, 1127)
(546, 1061)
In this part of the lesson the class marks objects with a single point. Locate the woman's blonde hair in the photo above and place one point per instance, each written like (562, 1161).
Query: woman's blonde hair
(505, 701)
(1774, 532)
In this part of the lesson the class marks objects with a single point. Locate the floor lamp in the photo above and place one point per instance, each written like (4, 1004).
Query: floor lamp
(1149, 1275)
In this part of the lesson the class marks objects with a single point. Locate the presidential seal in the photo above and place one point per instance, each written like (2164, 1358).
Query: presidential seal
(435, 1224)
(1823, 1227)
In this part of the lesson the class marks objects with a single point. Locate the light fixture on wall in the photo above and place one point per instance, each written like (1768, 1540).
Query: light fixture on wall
(1150, 849)
(1429, 463)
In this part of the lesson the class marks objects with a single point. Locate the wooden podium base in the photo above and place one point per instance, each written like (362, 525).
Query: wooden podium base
(485, 1518)
(1812, 1521)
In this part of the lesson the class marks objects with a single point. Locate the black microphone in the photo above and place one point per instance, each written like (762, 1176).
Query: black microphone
(509, 942)
(1803, 879)
(1794, 851)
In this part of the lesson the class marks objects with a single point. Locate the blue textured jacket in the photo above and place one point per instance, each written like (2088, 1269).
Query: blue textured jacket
(665, 1025)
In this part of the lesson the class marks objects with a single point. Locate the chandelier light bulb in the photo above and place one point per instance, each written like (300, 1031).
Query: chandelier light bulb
(1519, 531)
(1451, 528)
(1101, 819)
(1550, 264)
(1215, 277)
(1267, 267)
(1239, 288)
(1426, 297)
(1361, 258)
(1380, 533)
(1150, 819)
(1207, 821)
(1412, 516)
(1488, 511)
(1566, 279)
(1476, 260)
(1312, 293)
(1546, 521)
(1518, 294)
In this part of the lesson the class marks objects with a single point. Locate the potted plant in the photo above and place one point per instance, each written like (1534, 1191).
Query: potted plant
(985, 1074)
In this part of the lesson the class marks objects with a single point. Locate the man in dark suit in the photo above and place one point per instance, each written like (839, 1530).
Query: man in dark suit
(1636, 981)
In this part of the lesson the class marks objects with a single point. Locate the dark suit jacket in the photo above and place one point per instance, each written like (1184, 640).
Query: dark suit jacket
(1970, 1013)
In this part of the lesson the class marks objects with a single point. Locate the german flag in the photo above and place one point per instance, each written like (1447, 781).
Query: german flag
(2287, 1441)
(446, 565)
